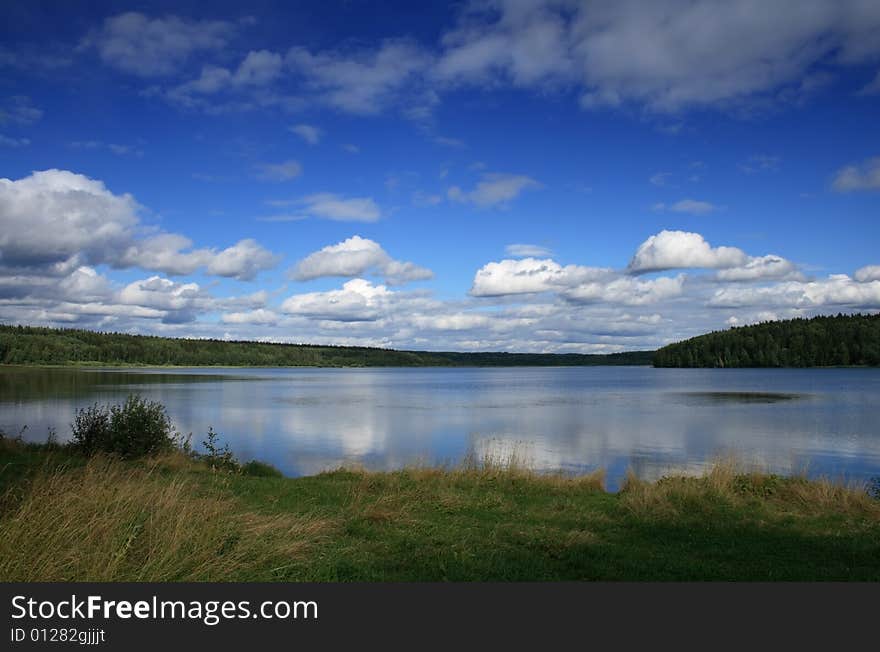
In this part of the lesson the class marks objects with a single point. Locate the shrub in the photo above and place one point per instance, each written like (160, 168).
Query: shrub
(91, 429)
(219, 458)
(134, 429)
(260, 470)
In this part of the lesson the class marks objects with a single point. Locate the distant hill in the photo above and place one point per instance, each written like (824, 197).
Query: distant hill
(815, 342)
(33, 345)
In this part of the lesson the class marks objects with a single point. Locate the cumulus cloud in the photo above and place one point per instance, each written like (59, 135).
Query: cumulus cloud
(358, 300)
(149, 47)
(761, 267)
(363, 82)
(494, 190)
(55, 220)
(284, 171)
(861, 176)
(530, 275)
(243, 260)
(309, 133)
(868, 273)
(355, 257)
(527, 251)
(164, 253)
(260, 316)
(158, 292)
(54, 215)
(682, 249)
(626, 290)
(836, 290)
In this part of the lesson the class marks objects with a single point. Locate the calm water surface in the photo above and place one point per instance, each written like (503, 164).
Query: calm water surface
(824, 421)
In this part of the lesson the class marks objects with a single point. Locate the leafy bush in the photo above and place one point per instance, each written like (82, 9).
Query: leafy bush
(134, 429)
(91, 429)
(260, 470)
(219, 458)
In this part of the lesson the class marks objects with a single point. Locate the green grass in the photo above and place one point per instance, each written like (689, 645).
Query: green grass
(175, 519)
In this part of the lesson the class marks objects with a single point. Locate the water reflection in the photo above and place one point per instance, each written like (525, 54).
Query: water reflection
(572, 419)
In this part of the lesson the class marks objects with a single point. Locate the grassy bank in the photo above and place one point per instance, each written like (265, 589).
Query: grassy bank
(170, 518)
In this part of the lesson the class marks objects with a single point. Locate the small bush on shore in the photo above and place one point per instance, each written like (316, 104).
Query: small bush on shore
(134, 429)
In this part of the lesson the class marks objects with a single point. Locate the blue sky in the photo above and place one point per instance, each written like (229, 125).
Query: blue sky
(527, 176)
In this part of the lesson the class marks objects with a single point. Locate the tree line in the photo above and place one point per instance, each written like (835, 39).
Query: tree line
(824, 341)
(56, 346)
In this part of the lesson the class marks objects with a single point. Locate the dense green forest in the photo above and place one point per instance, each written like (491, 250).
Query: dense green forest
(815, 342)
(32, 345)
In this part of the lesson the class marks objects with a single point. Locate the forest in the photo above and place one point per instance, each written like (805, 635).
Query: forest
(20, 345)
(825, 341)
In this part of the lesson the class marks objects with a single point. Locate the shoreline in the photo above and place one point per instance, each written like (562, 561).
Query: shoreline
(180, 520)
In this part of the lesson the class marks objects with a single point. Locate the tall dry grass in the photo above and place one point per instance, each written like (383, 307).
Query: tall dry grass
(110, 521)
(731, 482)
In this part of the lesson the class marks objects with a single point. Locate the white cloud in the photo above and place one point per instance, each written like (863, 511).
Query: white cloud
(355, 257)
(260, 316)
(528, 44)
(164, 253)
(284, 171)
(836, 290)
(530, 275)
(665, 56)
(54, 220)
(761, 267)
(682, 249)
(862, 176)
(243, 260)
(53, 215)
(83, 285)
(494, 190)
(458, 321)
(149, 47)
(868, 273)
(160, 293)
(359, 82)
(527, 251)
(358, 300)
(257, 70)
(692, 206)
(309, 133)
(626, 290)
(259, 67)
(334, 207)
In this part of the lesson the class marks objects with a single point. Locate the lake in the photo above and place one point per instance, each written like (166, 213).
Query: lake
(574, 419)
